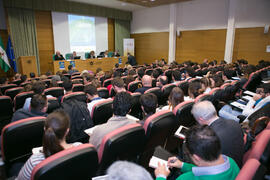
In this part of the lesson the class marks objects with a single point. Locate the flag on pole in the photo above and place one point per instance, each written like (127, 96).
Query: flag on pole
(10, 55)
(3, 57)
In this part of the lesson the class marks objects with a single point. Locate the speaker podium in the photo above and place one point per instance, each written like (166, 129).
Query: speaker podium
(28, 64)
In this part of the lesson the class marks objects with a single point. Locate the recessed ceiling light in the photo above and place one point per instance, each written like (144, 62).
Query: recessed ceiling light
(123, 4)
(152, 0)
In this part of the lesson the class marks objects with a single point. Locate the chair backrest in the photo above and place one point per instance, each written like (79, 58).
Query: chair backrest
(183, 113)
(18, 139)
(252, 169)
(25, 83)
(20, 98)
(124, 143)
(86, 55)
(103, 92)
(6, 110)
(110, 54)
(112, 92)
(132, 86)
(68, 55)
(75, 74)
(67, 75)
(265, 157)
(184, 86)
(73, 163)
(5, 87)
(53, 104)
(157, 91)
(203, 97)
(107, 82)
(136, 109)
(47, 82)
(76, 77)
(77, 88)
(54, 91)
(13, 92)
(17, 82)
(60, 83)
(79, 96)
(77, 81)
(102, 111)
(258, 146)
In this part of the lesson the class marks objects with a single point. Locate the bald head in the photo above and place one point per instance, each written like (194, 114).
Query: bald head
(147, 81)
(204, 112)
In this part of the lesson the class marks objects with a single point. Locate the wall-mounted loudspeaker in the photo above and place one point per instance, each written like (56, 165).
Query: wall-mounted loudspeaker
(266, 29)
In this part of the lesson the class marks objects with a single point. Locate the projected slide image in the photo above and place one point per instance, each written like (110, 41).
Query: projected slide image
(82, 33)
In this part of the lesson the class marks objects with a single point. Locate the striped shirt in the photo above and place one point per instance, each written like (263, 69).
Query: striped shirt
(35, 159)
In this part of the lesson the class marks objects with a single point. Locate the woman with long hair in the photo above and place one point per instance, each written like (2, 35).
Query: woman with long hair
(54, 140)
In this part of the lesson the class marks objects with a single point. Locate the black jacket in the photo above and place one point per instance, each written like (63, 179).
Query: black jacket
(23, 114)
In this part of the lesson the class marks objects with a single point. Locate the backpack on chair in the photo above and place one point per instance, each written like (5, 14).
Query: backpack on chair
(79, 120)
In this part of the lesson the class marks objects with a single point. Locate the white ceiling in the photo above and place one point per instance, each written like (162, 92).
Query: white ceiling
(112, 4)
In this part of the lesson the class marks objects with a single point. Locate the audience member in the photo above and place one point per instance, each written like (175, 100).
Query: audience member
(162, 80)
(176, 97)
(92, 95)
(124, 170)
(176, 76)
(56, 129)
(195, 89)
(147, 84)
(206, 84)
(121, 106)
(204, 149)
(149, 104)
(118, 85)
(32, 75)
(3, 81)
(38, 107)
(228, 131)
(67, 84)
(71, 70)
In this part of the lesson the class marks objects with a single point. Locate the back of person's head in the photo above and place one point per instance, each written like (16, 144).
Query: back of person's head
(228, 73)
(55, 130)
(129, 79)
(124, 170)
(122, 103)
(203, 142)
(131, 72)
(204, 111)
(67, 84)
(140, 72)
(116, 65)
(176, 75)
(195, 89)
(147, 81)
(70, 67)
(56, 78)
(39, 103)
(3, 80)
(117, 74)
(23, 78)
(163, 80)
(190, 72)
(32, 75)
(176, 97)
(155, 73)
(118, 82)
(149, 103)
(206, 82)
(98, 70)
(39, 87)
(266, 88)
(27, 88)
(90, 89)
(218, 80)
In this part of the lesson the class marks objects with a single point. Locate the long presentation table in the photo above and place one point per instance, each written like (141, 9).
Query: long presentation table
(106, 64)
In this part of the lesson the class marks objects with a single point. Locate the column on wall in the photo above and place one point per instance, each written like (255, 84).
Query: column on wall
(172, 33)
(230, 31)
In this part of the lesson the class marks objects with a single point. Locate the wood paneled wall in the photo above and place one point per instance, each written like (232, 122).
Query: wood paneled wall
(250, 44)
(45, 40)
(151, 46)
(200, 44)
(111, 36)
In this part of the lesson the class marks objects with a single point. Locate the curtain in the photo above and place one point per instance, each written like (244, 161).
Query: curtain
(23, 33)
(122, 30)
(69, 7)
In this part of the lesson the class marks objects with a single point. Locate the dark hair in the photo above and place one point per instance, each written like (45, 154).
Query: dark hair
(163, 81)
(122, 103)
(132, 72)
(56, 126)
(149, 103)
(32, 75)
(228, 73)
(176, 97)
(38, 87)
(155, 73)
(203, 141)
(218, 80)
(205, 81)
(23, 78)
(129, 79)
(195, 88)
(116, 65)
(140, 73)
(90, 89)
(118, 82)
(70, 67)
(38, 102)
(67, 84)
(3, 80)
(117, 74)
(176, 75)
(190, 72)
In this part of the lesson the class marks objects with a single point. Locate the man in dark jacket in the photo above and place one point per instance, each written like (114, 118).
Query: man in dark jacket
(38, 107)
(228, 131)
(131, 60)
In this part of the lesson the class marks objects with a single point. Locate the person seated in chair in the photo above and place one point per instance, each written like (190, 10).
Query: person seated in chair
(116, 54)
(38, 107)
(56, 129)
(92, 95)
(118, 85)
(149, 104)
(74, 55)
(91, 55)
(147, 84)
(58, 56)
(204, 149)
(122, 103)
(71, 70)
(161, 81)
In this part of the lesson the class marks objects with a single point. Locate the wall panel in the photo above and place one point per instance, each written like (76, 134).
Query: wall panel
(198, 45)
(151, 46)
(45, 40)
(250, 44)
(111, 37)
